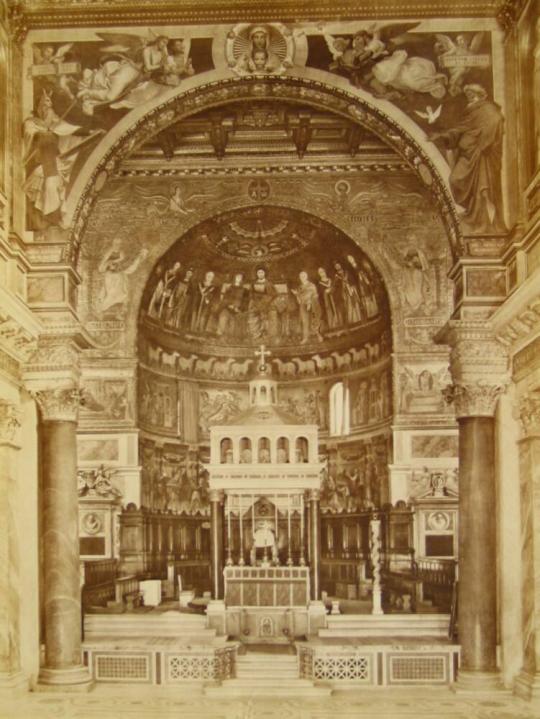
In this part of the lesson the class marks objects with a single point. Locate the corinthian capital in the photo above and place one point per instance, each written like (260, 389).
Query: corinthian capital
(477, 399)
(529, 414)
(59, 403)
(479, 367)
(9, 422)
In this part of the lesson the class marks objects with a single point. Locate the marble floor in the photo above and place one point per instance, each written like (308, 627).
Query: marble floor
(109, 702)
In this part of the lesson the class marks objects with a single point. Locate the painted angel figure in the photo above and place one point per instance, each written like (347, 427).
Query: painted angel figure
(259, 50)
(49, 61)
(350, 54)
(375, 57)
(453, 57)
(135, 69)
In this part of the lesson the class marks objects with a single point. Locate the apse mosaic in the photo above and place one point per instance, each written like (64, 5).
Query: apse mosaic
(264, 275)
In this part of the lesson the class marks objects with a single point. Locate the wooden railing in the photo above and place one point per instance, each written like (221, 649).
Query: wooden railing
(441, 572)
(100, 571)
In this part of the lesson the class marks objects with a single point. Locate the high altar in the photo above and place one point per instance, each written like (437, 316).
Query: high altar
(265, 477)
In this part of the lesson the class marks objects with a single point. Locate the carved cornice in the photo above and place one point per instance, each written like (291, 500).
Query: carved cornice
(54, 354)
(264, 169)
(529, 414)
(81, 13)
(522, 325)
(15, 340)
(479, 366)
(59, 403)
(10, 423)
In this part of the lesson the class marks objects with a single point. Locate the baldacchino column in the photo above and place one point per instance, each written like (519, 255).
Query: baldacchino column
(58, 397)
(478, 366)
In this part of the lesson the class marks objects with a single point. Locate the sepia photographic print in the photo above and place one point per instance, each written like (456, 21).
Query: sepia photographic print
(269, 359)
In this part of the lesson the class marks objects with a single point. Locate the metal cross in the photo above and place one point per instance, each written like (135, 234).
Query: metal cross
(262, 353)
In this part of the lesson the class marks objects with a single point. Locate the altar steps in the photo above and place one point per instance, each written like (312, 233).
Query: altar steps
(386, 625)
(187, 627)
(265, 674)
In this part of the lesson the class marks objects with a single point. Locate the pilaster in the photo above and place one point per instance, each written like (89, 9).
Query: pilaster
(11, 676)
(528, 681)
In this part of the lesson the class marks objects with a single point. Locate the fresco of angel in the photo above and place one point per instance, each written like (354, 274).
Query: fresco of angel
(177, 203)
(456, 58)
(134, 70)
(342, 200)
(259, 49)
(375, 58)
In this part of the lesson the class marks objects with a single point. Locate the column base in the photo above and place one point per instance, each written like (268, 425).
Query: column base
(13, 682)
(469, 682)
(76, 679)
(527, 686)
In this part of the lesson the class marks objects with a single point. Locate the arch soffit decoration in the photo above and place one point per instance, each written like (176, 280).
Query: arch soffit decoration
(392, 126)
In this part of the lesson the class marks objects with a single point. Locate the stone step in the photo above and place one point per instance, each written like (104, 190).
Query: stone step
(291, 673)
(266, 659)
(390, 625)
(146, 625)
(267, 687)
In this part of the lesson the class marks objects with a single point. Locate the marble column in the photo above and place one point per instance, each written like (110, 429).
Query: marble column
(216, 543)
(63, 668)
(478, 367)
(315, 543)
(10, 663)
(528, 681)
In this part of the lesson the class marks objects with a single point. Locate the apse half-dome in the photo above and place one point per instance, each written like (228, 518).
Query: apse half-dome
(264, 275)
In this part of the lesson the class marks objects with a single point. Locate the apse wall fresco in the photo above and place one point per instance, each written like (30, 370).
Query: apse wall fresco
(441, 78)
(265, 275)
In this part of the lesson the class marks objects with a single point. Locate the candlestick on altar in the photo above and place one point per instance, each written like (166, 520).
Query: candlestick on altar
(276, 528)
(289, 558)
(241, 523)
(229, 535)
(253, 524)
(375, 552)
(302, 558)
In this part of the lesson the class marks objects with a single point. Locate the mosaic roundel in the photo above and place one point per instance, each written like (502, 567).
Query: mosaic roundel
(264, 274)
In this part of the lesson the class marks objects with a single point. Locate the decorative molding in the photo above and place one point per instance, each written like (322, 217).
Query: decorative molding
(84, 13)
(15, 340)
(529, 414)
(10, 422)
(18, 21)
(264, 170)
(59, 403)
(521, 325)
(509, 13)
(53, 354)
